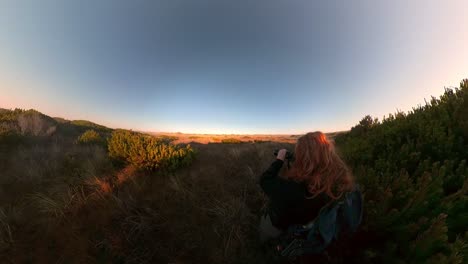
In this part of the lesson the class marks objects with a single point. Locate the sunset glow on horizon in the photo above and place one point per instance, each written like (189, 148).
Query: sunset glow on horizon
(216, 67)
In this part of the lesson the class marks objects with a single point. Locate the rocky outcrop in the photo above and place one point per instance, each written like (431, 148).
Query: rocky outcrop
(36, 124)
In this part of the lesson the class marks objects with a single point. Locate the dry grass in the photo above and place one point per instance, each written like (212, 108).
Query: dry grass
(69, 204)
(6, 236)
(223, 138)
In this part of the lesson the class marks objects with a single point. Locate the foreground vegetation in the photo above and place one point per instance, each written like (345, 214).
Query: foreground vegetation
(73, 203)
(414, 170)
(77, 192)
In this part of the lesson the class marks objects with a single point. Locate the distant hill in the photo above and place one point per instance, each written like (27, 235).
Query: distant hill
(33, 123)
(27, 122)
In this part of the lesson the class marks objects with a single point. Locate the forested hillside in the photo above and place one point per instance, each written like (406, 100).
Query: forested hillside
(413, 167)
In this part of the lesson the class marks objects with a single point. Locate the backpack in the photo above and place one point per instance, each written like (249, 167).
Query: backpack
(336, 219)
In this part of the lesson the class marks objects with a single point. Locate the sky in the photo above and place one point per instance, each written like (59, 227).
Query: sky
(236, 67)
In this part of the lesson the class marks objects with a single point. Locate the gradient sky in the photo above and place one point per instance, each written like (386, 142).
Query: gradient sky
(229, 66)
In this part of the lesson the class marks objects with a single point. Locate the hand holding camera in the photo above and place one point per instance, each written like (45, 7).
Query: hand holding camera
(283, 154)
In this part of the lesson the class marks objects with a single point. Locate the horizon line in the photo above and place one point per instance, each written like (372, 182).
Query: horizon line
(239, 134)
(167, 132)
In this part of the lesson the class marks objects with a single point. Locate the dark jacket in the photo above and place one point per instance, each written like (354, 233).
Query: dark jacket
(290, 202)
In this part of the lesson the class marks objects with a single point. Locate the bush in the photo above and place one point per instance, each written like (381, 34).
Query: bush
(90, 137)
(413, 170)
(147, 152)
(231, 141)
(167, 139)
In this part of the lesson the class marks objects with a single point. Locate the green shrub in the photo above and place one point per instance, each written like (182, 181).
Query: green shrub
(90, 137)
(147, 152)
(231, 141)
(413, 170)
(167, 139)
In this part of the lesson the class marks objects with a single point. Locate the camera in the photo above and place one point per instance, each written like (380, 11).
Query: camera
(289, 154)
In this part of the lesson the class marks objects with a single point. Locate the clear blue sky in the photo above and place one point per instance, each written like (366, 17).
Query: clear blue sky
(229, 66)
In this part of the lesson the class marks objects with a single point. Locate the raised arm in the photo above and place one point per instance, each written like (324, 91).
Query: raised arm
(269, 180)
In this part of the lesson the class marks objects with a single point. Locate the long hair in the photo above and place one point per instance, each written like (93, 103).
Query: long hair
(319, 166)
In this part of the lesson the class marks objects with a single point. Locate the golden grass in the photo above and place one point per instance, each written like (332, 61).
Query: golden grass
(218, 138)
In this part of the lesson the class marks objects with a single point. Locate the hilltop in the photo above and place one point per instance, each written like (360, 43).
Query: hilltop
(33, 123)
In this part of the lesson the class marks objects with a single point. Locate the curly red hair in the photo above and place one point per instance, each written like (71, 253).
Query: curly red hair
(320, 167)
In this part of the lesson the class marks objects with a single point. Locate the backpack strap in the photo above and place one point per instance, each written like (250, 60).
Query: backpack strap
(344, 214)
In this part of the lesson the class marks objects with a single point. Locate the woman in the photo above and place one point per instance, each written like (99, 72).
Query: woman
(317, 176)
